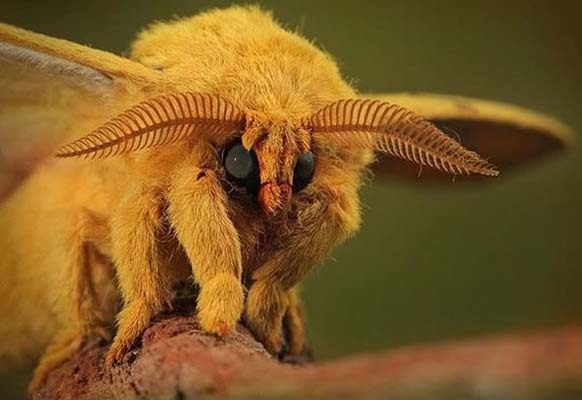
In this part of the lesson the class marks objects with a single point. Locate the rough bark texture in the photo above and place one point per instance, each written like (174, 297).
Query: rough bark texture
(177, 360)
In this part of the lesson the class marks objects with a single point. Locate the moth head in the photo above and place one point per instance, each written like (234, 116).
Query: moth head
(273, 158)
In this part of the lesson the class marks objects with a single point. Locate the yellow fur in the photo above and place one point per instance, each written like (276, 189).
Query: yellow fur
(198, 211)
(293, 323)
(141, 215)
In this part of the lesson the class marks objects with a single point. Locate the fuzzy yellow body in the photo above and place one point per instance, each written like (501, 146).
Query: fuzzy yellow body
(157, 217)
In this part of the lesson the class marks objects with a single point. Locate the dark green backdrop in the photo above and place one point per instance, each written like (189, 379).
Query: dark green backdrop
(431, 263)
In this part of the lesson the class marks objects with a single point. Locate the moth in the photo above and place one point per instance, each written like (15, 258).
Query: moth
(225, 150)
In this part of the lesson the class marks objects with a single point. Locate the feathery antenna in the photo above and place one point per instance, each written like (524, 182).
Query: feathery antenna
(158, 121)
(392, 129)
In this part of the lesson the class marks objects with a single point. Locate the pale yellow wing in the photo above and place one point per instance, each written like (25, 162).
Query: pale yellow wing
(506, 135)
(47, 86)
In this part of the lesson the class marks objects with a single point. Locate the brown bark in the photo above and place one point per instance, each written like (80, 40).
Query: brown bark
(177, 360)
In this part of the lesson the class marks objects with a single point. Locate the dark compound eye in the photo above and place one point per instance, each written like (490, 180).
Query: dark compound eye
(303, 173)
(241, 165)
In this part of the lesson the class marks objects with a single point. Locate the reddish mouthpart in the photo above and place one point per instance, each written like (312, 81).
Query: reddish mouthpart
(274, 197)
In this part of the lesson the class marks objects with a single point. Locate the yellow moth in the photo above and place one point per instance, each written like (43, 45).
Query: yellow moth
(224, 150)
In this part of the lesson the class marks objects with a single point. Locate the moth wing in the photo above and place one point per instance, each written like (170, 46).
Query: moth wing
(506, 135)
(48, 87)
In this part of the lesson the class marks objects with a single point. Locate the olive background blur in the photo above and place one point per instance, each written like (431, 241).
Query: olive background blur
(431, 263)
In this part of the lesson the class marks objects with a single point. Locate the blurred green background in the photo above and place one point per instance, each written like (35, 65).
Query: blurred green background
(431, 262)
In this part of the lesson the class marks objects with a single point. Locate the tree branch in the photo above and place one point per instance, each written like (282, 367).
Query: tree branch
(177, 360)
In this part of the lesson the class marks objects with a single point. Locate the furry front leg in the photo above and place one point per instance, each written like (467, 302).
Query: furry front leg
(312, 234)
(275, 315)
(266, 305)
(198, 213)
(144, 286)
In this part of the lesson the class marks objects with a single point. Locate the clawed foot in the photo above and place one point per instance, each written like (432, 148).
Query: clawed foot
(117, 352)
(305, 356)
(274, 317)
(270, 336)
(284, 349)
(220, 304)
(132, 321)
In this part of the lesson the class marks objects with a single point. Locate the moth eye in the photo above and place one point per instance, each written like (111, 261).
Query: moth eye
(241, 166)
(303, 173)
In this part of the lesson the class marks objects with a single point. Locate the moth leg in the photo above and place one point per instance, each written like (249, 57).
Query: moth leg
(76, 304)
(144, 286)
(274, 315)
(265, 307)
(332, 218)
(199, 214)
(293, 324)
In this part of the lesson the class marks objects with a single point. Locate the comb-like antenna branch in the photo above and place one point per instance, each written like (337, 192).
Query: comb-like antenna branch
(158, 121)
(389, 128)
